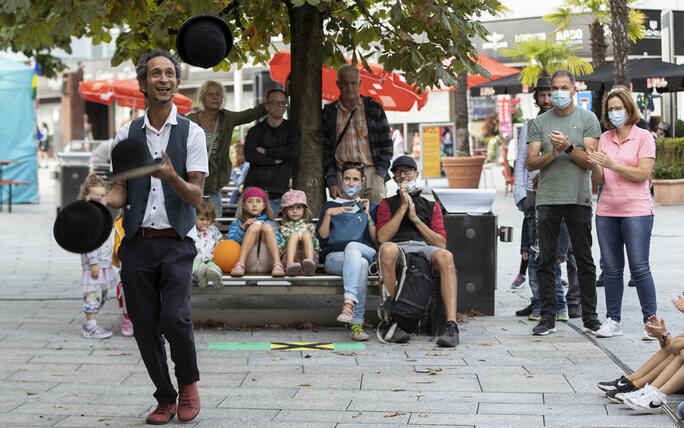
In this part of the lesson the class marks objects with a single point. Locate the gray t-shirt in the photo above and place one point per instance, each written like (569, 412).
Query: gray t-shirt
(562, 181)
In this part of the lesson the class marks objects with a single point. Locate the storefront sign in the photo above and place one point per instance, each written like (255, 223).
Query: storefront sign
(437, 140)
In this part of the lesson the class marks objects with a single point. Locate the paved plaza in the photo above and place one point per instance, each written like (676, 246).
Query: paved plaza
(500, 375)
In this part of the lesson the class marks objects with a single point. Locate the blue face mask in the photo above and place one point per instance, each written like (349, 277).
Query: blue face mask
(617, 118)
(411, 186)
(560, 99)
(351, 191)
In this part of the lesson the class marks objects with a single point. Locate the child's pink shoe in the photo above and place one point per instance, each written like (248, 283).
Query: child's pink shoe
(293, 269)
(278, 271)
(126, 326)
(309, 267)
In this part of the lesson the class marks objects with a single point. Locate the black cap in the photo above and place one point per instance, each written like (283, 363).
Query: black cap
(404, 161)
(204, 40)
(543, 82)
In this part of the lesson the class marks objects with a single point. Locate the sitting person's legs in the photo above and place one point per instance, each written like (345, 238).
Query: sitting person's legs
(389, 253)
(443, 261)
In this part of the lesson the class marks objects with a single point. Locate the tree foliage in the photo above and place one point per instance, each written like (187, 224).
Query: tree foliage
(410, 36)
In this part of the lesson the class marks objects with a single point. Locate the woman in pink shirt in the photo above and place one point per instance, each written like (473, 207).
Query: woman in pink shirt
(624, 215)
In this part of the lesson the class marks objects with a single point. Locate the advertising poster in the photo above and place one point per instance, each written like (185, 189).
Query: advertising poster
(503, 108)
(437, 140)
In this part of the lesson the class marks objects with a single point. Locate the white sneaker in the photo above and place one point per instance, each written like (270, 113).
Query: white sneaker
(635, 394)
(649, 402)
(96, 333)
(609, 328)
(647, 338)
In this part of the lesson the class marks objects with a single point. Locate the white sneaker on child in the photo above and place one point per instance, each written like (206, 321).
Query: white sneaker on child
(96, 332)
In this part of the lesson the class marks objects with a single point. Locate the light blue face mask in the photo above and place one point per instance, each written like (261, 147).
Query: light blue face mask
(411, 186)
(560, 99)
(351, 191)
(617, 118)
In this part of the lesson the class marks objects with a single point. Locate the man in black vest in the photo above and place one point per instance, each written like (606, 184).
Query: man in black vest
(159, 224)
(415, 224)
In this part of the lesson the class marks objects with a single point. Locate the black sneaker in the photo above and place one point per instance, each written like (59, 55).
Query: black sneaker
(524, 311)
(616, 395)
(449, 336)
(613, 384)
(544, 327)
(591, 326)
(574, 311)
(393, 334)
(385, 310)
(631, 283)
(599, 282)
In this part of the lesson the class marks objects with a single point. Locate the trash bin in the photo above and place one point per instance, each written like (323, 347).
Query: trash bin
(72, 170)
(472, 231)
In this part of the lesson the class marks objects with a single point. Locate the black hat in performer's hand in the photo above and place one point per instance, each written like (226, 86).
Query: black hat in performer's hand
(82, 226)
(131, 158)
(204, 40)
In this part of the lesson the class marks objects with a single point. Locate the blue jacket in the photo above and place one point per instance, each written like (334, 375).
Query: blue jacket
(235, 233)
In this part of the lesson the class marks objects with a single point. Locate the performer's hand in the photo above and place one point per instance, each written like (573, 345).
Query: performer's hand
(166, 172)
(94, 271)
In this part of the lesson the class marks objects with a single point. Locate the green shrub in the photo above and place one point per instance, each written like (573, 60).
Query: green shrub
(669, 158)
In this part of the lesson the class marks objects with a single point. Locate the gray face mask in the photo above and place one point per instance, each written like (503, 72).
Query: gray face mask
(351, 191)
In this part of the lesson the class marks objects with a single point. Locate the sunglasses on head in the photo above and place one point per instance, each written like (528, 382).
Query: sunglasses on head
(348, 165)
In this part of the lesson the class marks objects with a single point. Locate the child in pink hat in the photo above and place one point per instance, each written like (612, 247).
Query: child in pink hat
(299, 243)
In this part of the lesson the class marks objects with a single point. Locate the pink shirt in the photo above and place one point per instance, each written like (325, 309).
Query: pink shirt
(621, 197)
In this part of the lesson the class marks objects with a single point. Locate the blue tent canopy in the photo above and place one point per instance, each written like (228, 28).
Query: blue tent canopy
(17, 133)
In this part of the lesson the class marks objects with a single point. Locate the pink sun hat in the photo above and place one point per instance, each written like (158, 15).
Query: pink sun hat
(292, 197)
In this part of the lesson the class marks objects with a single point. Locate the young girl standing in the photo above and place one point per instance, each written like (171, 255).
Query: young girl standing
(126, 324)
(240, 169)
(98, 276)
(204, 270)
(257, 235)
(299, 243)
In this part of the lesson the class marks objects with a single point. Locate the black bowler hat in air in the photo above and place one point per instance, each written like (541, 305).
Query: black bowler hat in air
(404, 161)
(82, 226)
(131, 158)
(204, 40)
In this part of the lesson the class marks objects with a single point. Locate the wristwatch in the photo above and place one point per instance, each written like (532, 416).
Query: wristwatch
(664, 336)
(569, 149)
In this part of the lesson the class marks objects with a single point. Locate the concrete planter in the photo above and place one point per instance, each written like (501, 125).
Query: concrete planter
(463, 172)
(669, 192)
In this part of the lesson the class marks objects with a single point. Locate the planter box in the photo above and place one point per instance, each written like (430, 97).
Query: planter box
(669, 192)
(463, 172)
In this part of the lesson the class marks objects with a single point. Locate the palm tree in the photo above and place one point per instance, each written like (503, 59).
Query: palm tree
(619, 12)
(543, 57)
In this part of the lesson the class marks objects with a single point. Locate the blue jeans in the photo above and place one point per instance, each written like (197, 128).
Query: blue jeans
(275, 206)
(534, 284)
(216, 200)
(634, 234)
(352, 264)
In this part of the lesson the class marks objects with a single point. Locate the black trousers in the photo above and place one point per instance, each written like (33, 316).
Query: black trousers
(578, 220)
(156, 276)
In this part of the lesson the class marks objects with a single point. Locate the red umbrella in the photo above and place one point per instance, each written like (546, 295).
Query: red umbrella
(389, 89)
(127, 94)
(495, 68)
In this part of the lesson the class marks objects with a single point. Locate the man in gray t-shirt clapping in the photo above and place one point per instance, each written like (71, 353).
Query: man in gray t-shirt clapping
(558, 143)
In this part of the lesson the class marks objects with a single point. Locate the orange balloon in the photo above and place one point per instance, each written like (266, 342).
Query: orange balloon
(226, 254)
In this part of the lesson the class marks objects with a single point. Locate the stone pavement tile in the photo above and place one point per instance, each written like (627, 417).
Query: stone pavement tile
(17, 341)
(80, 409)
(503, 370)
(313, 394)
(27, 420)
(436, 360)
(452, 419)
(608, 421)
(285, 404)
(231, 423)
(414, 407)
(41, 372)
(397, 425)
(107, 388)
(283, 359)
(526, 383)
(439, 382)
(542, 409)
(482, 397)
(576, 398)
(217, 369)
(342, 416)
(295, 380)
(248, 393)
(355, 370)
(508, 360)
(238, 415)
(99, 421)
(224, 379)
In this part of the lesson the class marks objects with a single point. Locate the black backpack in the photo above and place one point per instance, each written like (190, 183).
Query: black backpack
(417, 300)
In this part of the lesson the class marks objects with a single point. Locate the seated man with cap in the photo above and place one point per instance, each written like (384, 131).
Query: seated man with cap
(411, 222)
(159, 225)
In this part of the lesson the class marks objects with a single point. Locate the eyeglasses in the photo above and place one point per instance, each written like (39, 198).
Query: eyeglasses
(278, 103)
(403, 171)
(609, 109)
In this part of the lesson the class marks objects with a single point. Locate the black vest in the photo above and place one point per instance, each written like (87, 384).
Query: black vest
(407, 230)
(181, 215)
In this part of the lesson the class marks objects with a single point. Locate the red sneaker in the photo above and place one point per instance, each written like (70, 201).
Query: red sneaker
(188, 402)
(162, 414)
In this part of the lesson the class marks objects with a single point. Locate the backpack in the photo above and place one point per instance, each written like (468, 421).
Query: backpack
(414, 297)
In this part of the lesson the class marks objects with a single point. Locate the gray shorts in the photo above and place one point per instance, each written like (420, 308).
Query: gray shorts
(416, 247)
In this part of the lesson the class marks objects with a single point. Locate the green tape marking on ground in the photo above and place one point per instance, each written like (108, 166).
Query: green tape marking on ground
(239, 346)
(350, 346)
(267, 346)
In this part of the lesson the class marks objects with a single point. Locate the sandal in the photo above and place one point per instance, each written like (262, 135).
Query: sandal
(293, 269)
(278, 271)
(309, 267)
(238, 270)
(347, 313)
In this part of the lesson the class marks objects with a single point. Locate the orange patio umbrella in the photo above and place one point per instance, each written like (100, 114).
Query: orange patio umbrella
(126, 92)
(389, 89)
(495, 68)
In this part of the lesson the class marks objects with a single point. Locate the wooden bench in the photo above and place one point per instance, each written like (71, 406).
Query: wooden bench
(10, 183)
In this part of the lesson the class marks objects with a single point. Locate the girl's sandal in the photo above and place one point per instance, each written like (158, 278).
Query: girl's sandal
(278, 271)
(238, 270)
(293, 269)
(309, 267)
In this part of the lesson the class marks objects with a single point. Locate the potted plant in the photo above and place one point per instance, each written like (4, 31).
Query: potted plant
(668, 174)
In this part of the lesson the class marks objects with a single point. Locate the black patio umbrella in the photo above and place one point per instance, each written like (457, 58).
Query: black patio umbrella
(511, 85)
(645, 74)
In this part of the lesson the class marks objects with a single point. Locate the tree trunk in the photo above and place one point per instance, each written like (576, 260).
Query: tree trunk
(306, 25)
(598, 58)
(620, 15)
(460, 108)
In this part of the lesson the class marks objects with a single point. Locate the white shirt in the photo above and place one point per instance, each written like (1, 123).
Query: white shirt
(157, 140)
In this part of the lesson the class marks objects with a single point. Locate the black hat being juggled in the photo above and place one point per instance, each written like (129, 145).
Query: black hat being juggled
(131, 158)
(204, 40)
(82, 226)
